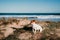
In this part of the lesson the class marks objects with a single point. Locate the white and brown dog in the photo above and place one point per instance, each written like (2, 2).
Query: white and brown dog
(36, 27)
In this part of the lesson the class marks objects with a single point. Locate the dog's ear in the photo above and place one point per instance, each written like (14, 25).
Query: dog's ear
(33, 21)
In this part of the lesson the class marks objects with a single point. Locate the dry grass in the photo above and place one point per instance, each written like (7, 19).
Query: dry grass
(51, 32)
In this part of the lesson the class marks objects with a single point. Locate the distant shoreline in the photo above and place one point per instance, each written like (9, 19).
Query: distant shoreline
(34, 18)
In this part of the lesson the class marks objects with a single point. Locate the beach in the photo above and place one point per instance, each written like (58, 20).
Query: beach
(20, 29)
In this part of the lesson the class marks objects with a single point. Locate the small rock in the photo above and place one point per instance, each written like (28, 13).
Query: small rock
(25, 36)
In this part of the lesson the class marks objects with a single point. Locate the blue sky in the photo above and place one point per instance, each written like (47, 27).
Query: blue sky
(29, 6)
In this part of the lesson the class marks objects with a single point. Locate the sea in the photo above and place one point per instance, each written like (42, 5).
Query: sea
(34, 16)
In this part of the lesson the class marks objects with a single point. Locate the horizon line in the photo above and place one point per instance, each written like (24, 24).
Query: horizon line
(29, 13)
